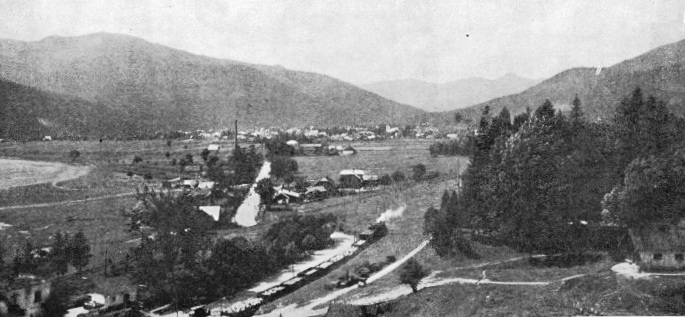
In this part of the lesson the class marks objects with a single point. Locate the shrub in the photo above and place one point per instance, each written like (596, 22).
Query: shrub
(412, 273)
(398, 177)
(419, 171)
(74, 154)
(385, 180)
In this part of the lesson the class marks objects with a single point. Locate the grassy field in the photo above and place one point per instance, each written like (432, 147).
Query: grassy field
(108, 151)
(597, 293)
(101, 221)
(379, 158)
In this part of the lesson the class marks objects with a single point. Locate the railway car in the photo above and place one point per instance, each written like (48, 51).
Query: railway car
(374, 232)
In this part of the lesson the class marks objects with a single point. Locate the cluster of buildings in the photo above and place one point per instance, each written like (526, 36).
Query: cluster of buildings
(348, 133)
(350, 181)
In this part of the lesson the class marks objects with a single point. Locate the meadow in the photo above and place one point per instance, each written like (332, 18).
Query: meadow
(379, 158)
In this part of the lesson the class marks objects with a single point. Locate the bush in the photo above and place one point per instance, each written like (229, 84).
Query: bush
(204, 154)
(419, 171)
(74, 154)
(412, 273)
(398, 177)
(137, 159)
(385, 180)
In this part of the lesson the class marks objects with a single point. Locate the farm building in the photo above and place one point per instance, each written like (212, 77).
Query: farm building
(356, 179)
(660, 247)
(284, 197)
(312, 149)
(189, 183)
(351, 178)
(205, 185)
(213, 147)
(316, 193)
(327, 183)
(27, 292)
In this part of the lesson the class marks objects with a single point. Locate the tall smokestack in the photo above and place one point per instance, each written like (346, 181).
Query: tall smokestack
(236, 134)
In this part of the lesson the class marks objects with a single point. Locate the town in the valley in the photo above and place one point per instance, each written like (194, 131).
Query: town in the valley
(276, 159)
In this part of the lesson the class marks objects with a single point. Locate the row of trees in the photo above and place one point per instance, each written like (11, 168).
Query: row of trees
(538, 181)
(53, 261)
(463, 146)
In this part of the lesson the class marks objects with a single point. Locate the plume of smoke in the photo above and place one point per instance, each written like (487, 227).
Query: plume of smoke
(392, 213)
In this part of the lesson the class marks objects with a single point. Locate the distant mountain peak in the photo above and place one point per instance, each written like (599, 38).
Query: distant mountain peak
(458, 94)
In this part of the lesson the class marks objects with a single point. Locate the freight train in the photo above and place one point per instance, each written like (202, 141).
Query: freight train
(250, 306)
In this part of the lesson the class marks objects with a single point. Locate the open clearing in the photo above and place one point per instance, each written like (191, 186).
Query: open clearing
(15, 172)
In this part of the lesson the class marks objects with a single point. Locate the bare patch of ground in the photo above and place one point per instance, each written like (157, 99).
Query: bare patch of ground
(16, 173)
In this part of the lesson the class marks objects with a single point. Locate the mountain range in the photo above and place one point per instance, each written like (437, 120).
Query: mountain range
(437, 97)
(147, 87)
(111, 85)
(659, 72)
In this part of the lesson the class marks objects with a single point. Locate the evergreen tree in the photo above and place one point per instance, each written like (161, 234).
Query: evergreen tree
(79, 249)
(576, 111)
(546, 111)
(59, 257)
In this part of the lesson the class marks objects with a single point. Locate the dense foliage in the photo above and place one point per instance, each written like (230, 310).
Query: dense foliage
(284, 168)
(412, 273)
(539, 183)
(65, 250)
(245, 164)
(180, 263)
(463, 146)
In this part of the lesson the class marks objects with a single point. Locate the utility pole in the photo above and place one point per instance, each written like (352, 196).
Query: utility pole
(236, 134)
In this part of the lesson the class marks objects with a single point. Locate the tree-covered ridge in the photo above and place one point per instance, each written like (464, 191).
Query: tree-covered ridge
(659, 72)
(539, 183)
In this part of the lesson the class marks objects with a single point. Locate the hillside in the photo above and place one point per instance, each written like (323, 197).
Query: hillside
(27, 113)
(659, 72)
(167, 89)
(451, 95)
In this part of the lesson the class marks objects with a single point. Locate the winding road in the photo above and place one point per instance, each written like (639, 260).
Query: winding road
(396, 292)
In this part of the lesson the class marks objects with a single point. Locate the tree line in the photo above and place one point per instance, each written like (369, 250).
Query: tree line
(538, 182)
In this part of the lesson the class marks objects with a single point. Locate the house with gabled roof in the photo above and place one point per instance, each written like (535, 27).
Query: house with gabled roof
(660, 246)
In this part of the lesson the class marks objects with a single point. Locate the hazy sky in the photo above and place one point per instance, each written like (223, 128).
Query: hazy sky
(371, 40)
